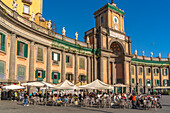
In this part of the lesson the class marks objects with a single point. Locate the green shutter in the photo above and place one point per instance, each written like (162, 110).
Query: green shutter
(162, 71)
(52, 55)
(67, 58)
(43, 76)
(36, 74)
(166, 71)
(155, 82)
(163, 82)
(159, 83)
(26, 50)
(150, 82)
(133, 81)
(3, 42)
(58, 56)
(79, 77)
(18, 47)
(52, 75)
(146, 82)
(59, 76)
(167, 82)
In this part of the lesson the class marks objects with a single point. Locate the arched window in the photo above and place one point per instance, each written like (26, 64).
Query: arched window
(117, 50)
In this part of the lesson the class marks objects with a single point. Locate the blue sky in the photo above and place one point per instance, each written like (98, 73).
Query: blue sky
(146, 21)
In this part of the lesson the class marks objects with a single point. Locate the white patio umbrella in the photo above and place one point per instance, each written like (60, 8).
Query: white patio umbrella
(13, 87)
(38, 84)
(66, 85)
(97, 84)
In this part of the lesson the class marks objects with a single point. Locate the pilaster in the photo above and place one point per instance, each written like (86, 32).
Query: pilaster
(31, 62)
(108, 70)
(12, 58)
(76, 69)
(63, 77)
(88, 70)
(101, 68)
(113, 73)
(48, 67)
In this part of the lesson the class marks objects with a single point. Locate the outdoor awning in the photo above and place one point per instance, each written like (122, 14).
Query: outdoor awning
(97, 84)
(66, 85)
(13, 87)
(38, 84)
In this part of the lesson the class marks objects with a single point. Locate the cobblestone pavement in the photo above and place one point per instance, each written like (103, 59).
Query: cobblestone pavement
(15, 107)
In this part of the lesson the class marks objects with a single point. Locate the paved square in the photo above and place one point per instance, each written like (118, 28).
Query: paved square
(16, 107)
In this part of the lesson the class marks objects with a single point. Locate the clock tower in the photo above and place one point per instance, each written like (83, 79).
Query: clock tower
(110, 16)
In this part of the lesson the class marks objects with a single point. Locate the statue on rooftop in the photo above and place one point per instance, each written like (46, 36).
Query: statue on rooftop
(76, 35)
(159, 55)
(14, 5)
(135, 52)
(49, 25)
(63, 31)
(143, 52)
(87, 39)
(32, 16)
(151, 54)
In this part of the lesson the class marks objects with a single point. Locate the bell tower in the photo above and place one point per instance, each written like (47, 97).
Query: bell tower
(110, 16)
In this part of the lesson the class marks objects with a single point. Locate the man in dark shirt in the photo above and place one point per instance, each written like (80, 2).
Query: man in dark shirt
(26, 99)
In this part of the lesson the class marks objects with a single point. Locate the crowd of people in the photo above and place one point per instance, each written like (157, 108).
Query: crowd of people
(93, 99)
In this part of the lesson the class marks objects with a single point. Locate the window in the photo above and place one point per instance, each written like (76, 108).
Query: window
(148, 82)
(116, 48)
(140, 70)
(55, 77)
(133, 80)
(2, 70)
(40, 75)
(156, 71)
(101, 19)
(22, 49)
(157, 82)
(69, 77)
(55, 57)
(140, 82)
(148, 71)
(2, 42)
(69, 61)
(165, 72)
(40, 54)
(26, 9)
(82, 78)
(165, 82)
(132, 70)
(81, 63)
(21, 73)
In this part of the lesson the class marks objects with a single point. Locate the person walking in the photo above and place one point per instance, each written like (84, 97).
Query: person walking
(26, 99)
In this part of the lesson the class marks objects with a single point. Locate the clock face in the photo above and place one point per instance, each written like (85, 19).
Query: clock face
(115, 19)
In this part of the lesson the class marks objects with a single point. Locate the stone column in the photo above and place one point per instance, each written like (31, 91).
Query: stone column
(144, 78)
(125, 75)
(76, 69)
(88, 70)
(12, 58)
(101, 68)
(136, 79)
(130, 78)
(160, 75)
(152, 79)
(108, 70)
(63, 64)
(113, 73)
(48, 67)
(94, 68)
(31, 62)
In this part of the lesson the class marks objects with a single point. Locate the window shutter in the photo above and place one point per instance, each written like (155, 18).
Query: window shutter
(36, 74)
(26, 50)
(79, 77)
(155, 82)
(150, 82)
(166, 71)
(52, 55)
(146, 82)
(58, 56)
(158, 82)
(43, 76)
(71, 76)
(18, 47)
(163, 82)
(2, 68)
(167, 82)
(85, 78)
(3, 42)
(52, 75)
(162, 71)
(132, 80)
(67, 58)
(59, 76)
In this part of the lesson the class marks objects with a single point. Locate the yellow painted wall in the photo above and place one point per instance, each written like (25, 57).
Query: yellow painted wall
(36, 6)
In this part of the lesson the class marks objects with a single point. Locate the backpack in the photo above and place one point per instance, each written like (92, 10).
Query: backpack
(133, 98)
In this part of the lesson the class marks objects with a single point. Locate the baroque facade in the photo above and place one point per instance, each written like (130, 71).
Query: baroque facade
(30, 51)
